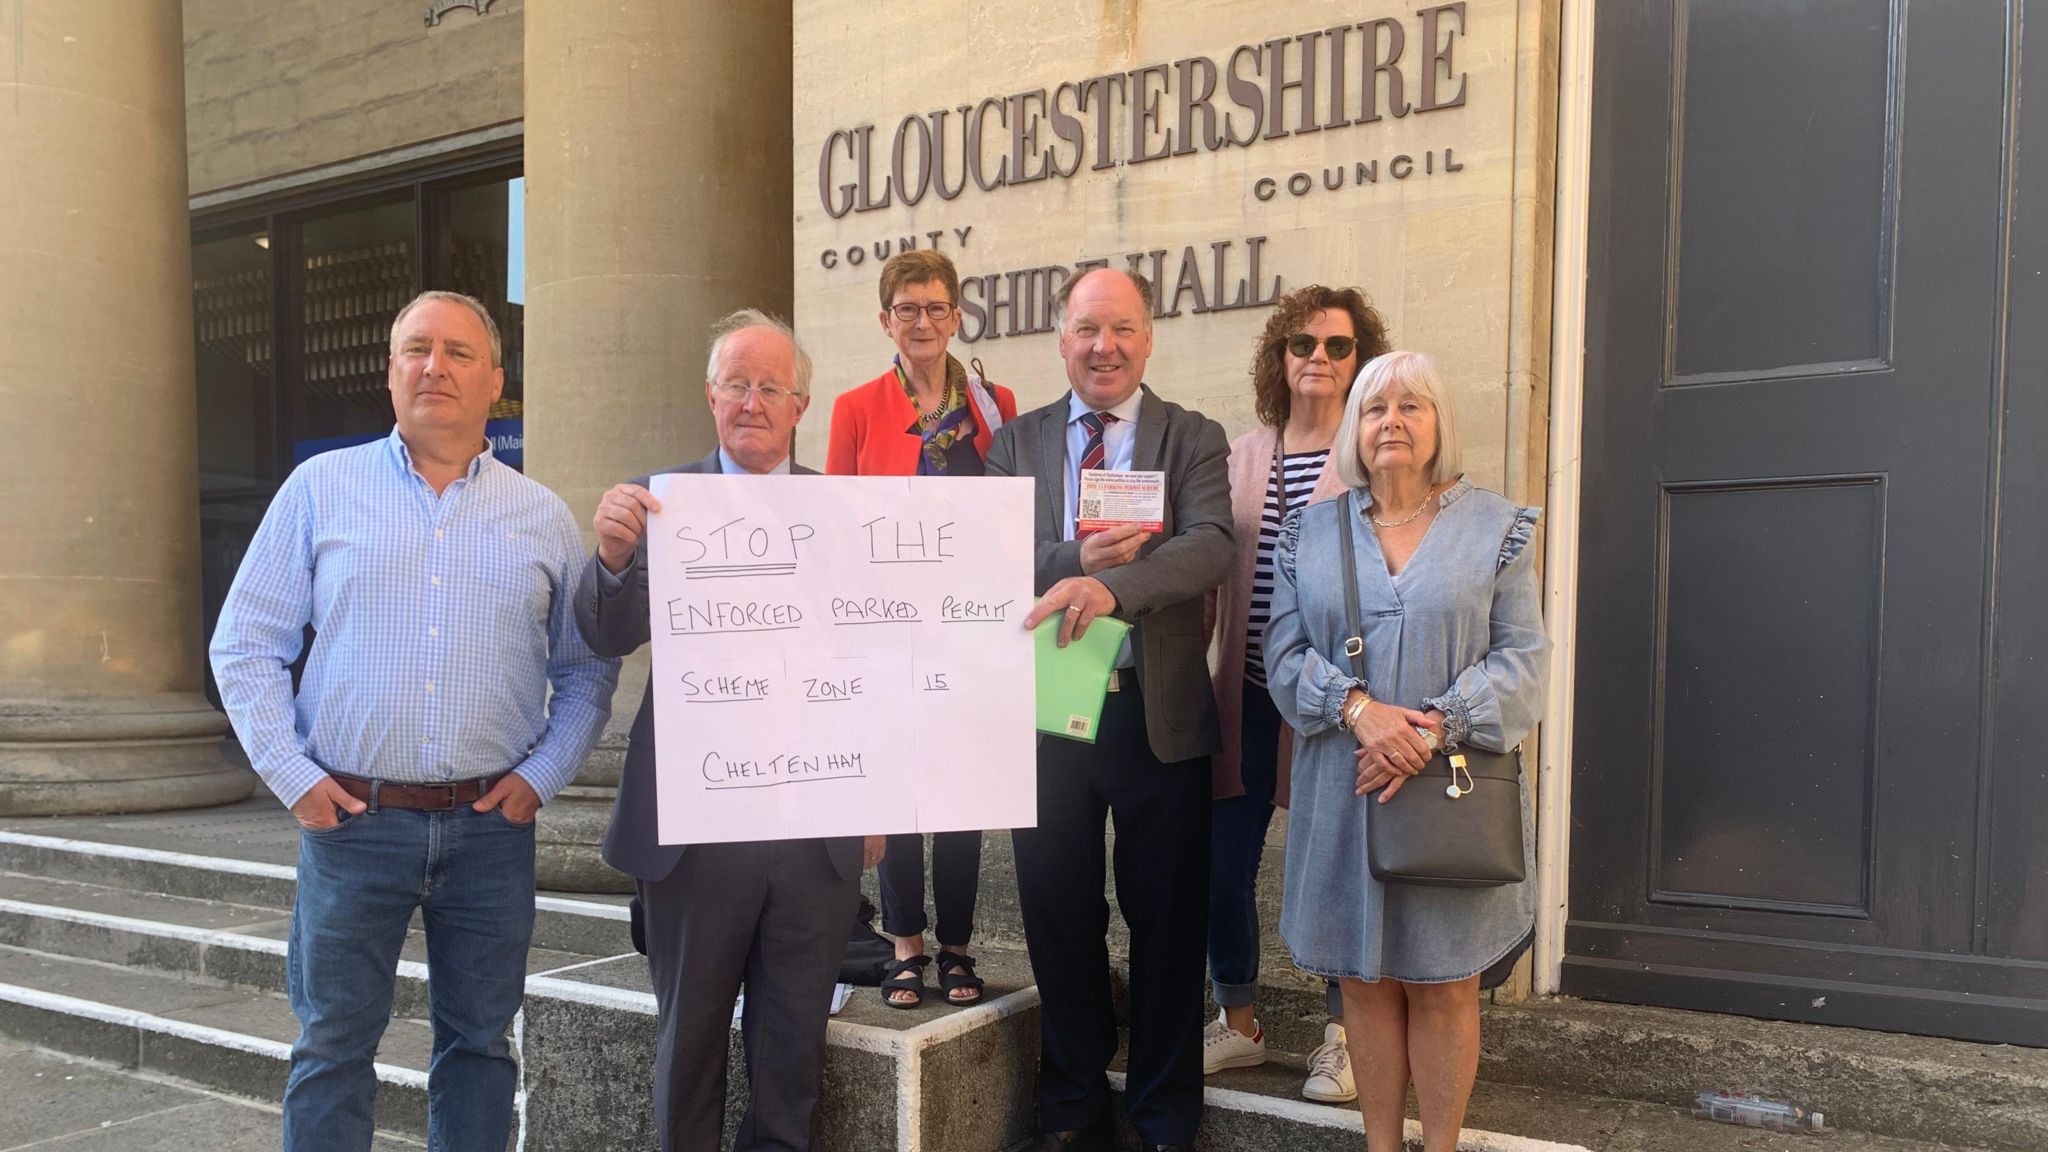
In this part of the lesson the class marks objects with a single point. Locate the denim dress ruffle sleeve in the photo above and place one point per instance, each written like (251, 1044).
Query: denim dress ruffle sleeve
(1460, 629)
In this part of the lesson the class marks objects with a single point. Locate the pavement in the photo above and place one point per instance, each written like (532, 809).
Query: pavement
(56, 1103)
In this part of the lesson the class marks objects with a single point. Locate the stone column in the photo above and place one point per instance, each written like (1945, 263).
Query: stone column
(658, 169)
(101, 661)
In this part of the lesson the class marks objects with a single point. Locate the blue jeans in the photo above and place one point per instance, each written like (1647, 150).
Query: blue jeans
(1237, 843)
(470, 875)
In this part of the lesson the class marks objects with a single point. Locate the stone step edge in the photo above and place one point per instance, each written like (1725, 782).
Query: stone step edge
(1347, 1119)
(554, 982)
(148, 1023)
(257, 869)
(907, 1046)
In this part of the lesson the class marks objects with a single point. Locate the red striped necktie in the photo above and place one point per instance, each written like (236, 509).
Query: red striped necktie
(1093, 455)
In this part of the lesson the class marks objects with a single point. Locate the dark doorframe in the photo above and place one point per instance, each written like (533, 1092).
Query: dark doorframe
(1810, 644)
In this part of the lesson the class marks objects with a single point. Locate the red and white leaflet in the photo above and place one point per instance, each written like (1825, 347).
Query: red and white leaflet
(1109, 499)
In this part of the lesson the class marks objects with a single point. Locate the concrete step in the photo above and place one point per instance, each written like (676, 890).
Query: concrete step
(1908, 1087)
(917, 1080)
(180, 938)
(59, 1102)
(586, 927)
(230, 1039)
(1260, 1108)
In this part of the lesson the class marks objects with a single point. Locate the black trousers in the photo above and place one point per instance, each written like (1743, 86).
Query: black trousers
(769, 916)
(1161, 816)
(956, 881)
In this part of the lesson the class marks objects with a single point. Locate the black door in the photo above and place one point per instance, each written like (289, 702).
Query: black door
(1811, 728)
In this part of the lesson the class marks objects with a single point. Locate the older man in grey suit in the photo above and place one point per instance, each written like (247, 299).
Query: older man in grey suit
(770, 915)
(1149, 766)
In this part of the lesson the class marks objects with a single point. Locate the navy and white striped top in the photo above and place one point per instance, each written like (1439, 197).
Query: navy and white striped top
(1301, 470)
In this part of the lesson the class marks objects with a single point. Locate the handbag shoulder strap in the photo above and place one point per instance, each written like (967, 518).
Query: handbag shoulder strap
(1354, 644)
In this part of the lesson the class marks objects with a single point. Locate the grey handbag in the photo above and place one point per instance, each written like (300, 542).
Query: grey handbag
(1458, 824)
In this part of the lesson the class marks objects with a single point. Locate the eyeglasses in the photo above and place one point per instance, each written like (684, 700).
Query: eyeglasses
(937, 311)
(738, 393)
(1303, 345)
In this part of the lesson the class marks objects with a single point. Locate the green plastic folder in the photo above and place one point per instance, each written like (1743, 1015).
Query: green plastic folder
(1072, 681)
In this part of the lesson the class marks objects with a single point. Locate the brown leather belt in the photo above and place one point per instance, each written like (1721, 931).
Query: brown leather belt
(420, 797)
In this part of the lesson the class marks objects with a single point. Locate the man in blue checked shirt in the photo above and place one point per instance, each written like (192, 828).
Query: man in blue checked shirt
(423, 739)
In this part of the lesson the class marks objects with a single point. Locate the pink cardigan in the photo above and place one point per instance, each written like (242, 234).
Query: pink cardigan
(1251, 469)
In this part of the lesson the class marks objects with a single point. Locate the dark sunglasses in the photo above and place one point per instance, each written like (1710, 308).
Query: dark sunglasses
(1303, 345)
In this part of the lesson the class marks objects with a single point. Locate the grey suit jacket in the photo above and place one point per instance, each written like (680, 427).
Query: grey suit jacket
(616, 625)
(1160, 593)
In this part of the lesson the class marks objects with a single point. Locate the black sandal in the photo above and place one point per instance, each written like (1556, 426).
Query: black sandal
(915, 985)
(965, 978)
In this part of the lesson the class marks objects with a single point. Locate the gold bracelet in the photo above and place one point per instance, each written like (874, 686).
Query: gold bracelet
(1354, 710)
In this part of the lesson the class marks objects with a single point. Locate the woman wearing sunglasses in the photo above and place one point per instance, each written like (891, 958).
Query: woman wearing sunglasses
(1303, 367)
(926, 416)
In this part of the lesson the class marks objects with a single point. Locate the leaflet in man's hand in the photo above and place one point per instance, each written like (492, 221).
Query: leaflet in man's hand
(1109, 499)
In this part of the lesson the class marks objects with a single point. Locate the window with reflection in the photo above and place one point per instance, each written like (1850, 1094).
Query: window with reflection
(481, 252)
(292, 305)
(356, 272)
(235, 366)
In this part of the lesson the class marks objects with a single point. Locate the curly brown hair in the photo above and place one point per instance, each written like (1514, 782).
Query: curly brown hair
(1269, 360)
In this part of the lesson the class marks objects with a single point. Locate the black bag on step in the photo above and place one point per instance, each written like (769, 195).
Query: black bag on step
(866, 949)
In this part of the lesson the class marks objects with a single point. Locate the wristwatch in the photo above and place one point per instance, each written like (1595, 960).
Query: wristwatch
(1429, 737)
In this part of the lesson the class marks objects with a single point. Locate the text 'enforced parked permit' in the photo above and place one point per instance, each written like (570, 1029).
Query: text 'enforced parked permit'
(840, 656)
(1110, 499)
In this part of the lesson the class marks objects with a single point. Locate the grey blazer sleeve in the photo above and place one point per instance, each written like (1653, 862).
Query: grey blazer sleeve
(613, 620)
(1201, 550)
(1053, 560)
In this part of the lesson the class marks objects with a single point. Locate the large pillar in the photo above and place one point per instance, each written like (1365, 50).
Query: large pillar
(658, 199)
(101, 662)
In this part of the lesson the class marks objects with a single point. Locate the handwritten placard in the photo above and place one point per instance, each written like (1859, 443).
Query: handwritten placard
(841, 655)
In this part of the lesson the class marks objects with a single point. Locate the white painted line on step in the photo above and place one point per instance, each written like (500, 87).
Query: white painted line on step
(591, 908)
(582, 964)
(152, 856)
(595, 995)
(1346, 1119)
(913, 1043)
(156, 928)
(965, 1020)
(910, 1098)
(205, 937)
(842, 1033)
(181, 1029)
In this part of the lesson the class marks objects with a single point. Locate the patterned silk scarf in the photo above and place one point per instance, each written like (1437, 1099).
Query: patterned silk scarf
(952, 423)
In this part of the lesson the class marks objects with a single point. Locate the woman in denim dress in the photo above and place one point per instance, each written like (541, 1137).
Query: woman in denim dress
(1454, 652)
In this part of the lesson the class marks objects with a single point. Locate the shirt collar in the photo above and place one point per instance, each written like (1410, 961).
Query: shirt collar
(402, 456)
(730, 466)
(1127, 411)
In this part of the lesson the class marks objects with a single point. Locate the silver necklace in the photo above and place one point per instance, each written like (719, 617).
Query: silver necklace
(1408, 519)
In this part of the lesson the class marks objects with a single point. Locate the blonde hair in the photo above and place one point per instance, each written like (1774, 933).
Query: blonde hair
(1417, 373)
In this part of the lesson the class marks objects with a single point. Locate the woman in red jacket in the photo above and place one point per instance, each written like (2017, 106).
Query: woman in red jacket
(926, 416)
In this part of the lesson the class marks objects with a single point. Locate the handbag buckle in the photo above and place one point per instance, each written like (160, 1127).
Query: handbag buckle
(1354, 647)
(1458, 765)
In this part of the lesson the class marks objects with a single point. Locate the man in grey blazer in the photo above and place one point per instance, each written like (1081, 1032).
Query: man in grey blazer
(1149, 766)
(771, 915)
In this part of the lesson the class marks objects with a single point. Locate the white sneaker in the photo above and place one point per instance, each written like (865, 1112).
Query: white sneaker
(1329, 1070)
(1226, 1047)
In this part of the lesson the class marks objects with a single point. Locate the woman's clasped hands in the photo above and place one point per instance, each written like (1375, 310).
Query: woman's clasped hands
(1390, 747)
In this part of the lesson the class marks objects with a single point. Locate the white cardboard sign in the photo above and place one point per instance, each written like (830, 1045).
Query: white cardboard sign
(841, 655)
